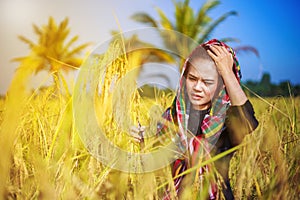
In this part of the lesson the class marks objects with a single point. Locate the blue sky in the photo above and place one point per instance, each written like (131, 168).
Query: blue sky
(271, 26)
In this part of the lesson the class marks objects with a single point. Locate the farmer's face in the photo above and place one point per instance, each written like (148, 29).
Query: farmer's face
(201, 83)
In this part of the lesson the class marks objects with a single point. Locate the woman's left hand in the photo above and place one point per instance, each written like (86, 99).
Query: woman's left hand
(224, 63)
(222, 58)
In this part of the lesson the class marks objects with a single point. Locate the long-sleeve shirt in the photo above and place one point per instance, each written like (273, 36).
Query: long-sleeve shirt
(240, 121)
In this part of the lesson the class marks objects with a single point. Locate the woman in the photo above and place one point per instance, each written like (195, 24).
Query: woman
(213, 114)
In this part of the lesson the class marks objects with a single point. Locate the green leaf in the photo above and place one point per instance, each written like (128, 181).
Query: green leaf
(214, 24)
(144, 18)
(164, 21)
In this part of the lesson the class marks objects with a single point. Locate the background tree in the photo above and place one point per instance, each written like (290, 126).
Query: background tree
(53, 52)
(266, 88)
(197, 25)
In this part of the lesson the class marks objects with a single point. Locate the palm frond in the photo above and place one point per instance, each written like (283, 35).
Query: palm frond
(51, 53)
(18, 59)
(164, 21)
(51, 24)
(202, 13)
(37, 30)
(230, 39)
(144, 18)
(247, 48)
(27, 41)
(71, 42)
(202, 19)
(61, 35)
(179, 14)
(214, 24)
(77, 50)
(63, 25)
(188, 22)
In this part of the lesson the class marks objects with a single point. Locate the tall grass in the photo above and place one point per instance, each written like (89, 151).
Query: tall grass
(44, 158)
(267, 167)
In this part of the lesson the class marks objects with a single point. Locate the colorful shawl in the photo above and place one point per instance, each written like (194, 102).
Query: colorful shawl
(198, 147)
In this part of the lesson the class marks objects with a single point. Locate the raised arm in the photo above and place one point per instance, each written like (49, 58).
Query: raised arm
(224, 62)
(240, 119)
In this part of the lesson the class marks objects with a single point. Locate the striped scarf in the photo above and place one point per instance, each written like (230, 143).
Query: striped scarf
(198, 147)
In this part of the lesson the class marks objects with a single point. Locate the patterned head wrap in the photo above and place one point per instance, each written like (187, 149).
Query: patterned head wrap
(213, 122)
(211, 126)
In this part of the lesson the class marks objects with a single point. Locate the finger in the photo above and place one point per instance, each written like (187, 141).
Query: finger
(136, 136)
(225, 50)
(215, 49)
(137, 132)
(134, 129)
(137, 140)
(211, 54)
(142, 128)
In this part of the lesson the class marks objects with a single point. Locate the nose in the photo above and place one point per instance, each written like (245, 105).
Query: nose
(198, 86)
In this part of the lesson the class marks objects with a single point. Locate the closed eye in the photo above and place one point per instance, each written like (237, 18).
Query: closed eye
(192, 78)
(209, 82)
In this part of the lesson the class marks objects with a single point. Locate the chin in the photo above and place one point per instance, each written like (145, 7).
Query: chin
(201, 104)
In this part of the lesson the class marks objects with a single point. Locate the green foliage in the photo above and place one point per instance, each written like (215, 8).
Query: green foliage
(266, 88)
(197, 25)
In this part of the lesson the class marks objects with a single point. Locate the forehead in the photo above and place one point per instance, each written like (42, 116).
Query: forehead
(202, 68)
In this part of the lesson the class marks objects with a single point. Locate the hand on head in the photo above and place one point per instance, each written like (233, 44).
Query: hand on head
(224, 63)
(222, 58)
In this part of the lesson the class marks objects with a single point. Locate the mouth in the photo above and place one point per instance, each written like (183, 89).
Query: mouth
(196, 96)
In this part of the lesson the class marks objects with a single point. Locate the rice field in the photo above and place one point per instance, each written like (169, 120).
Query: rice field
(43, 156)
